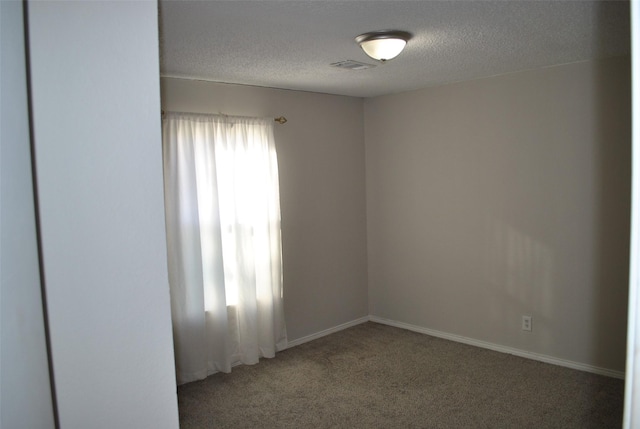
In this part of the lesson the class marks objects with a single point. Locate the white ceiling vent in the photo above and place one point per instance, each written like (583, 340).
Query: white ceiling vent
(352, 65)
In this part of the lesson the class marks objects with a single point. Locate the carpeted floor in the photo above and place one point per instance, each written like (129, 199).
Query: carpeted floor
(377, 376)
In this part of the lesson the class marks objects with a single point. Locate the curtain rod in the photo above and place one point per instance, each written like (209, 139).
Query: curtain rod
(280, 119)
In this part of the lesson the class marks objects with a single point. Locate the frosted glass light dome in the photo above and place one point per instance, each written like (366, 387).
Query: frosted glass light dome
(383, 45)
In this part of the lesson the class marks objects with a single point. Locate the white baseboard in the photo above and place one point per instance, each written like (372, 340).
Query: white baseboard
(502, 349)
(326, 332)
(465, 340)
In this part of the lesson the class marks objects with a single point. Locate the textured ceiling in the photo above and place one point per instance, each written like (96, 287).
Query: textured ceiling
(291, 44)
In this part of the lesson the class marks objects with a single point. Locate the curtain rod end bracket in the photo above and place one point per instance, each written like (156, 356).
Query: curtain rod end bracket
(281, 120)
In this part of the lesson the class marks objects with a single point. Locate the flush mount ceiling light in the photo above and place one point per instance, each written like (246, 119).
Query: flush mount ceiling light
(383, 45)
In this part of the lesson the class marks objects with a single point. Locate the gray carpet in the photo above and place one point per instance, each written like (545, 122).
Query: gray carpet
(377, 376)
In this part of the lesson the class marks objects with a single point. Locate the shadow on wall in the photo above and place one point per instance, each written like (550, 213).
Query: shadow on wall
(613, 230)
(613, 208)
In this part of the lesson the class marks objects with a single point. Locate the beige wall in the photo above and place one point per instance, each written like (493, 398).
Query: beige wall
(322, 193)
(495, 198)
(486, 200)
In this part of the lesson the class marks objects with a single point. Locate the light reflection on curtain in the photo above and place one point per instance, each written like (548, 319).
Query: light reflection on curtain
(223, 233)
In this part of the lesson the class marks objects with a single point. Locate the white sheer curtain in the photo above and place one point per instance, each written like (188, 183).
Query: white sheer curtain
(223, 233)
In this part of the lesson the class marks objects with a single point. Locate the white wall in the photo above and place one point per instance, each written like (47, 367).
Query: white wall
(96, 105)
(491, 199)
(25, 394)
(632, 379)
(322, 193)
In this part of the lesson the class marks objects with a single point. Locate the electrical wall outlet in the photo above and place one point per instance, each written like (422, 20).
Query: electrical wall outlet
(527, 325)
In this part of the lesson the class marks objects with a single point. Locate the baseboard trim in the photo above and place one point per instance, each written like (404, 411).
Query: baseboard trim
(502, 349)
(326, 332)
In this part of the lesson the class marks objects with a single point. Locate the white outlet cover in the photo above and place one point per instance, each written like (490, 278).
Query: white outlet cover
(527, 323)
